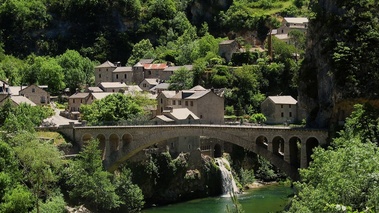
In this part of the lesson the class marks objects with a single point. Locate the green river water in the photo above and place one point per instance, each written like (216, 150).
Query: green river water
(271, 198)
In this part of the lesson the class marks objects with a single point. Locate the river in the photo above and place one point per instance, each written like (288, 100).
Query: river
(272, 198)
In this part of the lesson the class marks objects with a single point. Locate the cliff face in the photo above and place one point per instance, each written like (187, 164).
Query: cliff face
(206, 10)
(341, 62)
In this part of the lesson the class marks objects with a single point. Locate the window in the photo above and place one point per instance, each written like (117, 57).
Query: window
(99, 75)
(161, 100)
(149, 72)
(33, 90)
(116, 76)
(125, 76)
(107, 69)
(289, 105)
(281, 106)
(186, 103)
(290, 114)
(172, 145)
(73, 100)
(180, 103)
(191, 103)
(144, 85)
(282, 114)
(201, 116)
(173, 102)
(189, 146)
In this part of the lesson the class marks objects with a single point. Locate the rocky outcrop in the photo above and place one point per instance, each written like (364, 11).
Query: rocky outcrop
(164, 180)
(317, 91)
(205, 10)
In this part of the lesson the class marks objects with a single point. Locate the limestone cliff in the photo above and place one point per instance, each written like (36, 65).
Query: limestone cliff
(339, 62)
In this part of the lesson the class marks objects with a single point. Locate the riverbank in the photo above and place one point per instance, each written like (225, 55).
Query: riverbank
(260, 184)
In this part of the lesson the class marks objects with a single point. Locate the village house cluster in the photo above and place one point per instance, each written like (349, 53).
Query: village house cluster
(196, 105)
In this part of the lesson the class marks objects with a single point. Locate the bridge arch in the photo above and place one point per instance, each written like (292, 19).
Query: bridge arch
(127, 139)
(278, 146)
(113, 143)
(86, 138)
(217, 152)
(102, 146)
(311, 143)
(262, 141)
(294, 151)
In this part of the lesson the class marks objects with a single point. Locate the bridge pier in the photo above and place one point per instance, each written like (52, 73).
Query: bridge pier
(303, 155)
(287, 157)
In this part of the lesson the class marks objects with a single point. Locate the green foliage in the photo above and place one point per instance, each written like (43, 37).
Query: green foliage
(258, 118)
(40, 163)
(143, 49)
(181, 79)
(78, 70)
(90, 184)
(265, 171)
(55, 203)
(229, 110)
(130, 194)
(113, 108)
(246, 177)
(23, 117)
(345, 174)
(17, 199)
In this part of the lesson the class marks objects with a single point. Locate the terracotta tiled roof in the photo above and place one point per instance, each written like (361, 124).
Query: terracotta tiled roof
(154, 66)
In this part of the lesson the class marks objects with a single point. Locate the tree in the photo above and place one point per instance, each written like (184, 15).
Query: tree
(181, 79)
(77, 69)
(111, 109)
(130, 194)
(89, 183)
(345, 174)
(40, 163)
(51, 74)
(258, 118)
(140, 50)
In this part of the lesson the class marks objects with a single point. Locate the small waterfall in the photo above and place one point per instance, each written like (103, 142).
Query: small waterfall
(228, 183)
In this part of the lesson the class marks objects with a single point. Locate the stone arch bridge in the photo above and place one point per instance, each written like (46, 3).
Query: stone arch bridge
(286, 148)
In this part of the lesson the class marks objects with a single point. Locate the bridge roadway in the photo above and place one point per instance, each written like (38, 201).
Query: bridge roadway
(282, 146)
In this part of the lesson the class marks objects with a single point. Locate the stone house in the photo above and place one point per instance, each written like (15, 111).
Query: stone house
(176, 116)
(103, 72)
(289, 24)
(159, 88)
(36, 94)
(227, 48)
(280, 109)
(76, 100)
(204, 103)
(123, 74)
(148, 83)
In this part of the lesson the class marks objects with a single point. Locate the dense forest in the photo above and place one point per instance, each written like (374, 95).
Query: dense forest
(58, 43)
